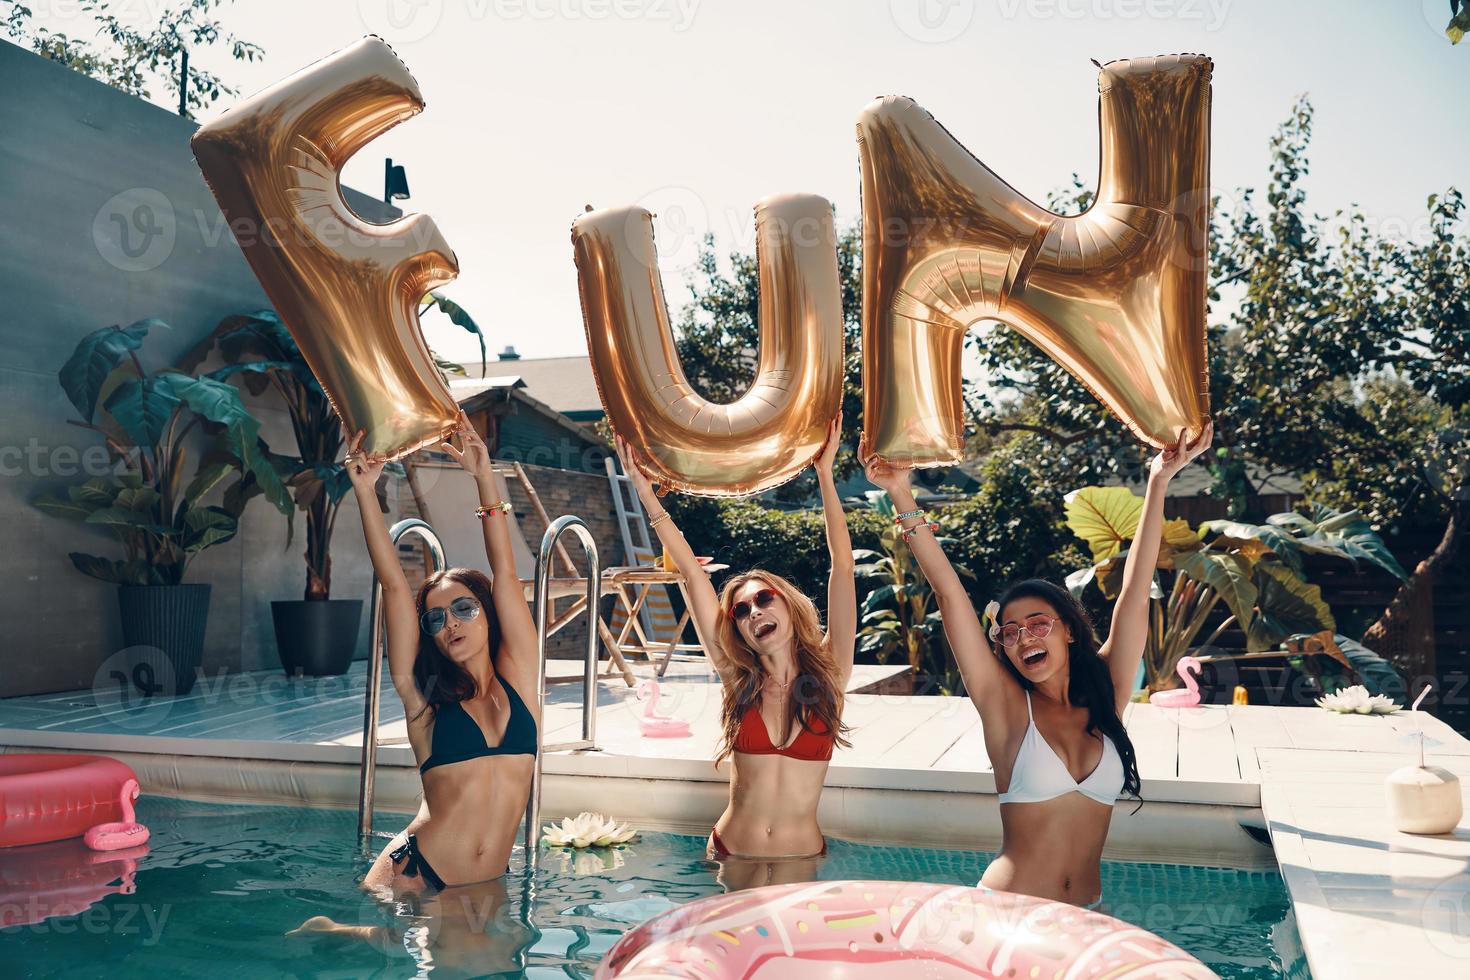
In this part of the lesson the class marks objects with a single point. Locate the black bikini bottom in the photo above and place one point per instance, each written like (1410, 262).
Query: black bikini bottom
(417, 863)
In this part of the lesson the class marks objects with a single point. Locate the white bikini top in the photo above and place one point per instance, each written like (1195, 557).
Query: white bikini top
(1039, 774)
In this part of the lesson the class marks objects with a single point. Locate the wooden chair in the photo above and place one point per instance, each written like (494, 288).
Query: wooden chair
(644, 616)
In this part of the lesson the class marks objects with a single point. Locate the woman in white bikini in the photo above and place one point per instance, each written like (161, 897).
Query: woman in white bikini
(1051, 704)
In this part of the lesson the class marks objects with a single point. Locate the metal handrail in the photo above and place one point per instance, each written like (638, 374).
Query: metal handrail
(589, 679)
(407, 526)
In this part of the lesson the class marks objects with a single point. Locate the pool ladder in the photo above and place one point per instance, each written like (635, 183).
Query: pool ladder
(372, 701)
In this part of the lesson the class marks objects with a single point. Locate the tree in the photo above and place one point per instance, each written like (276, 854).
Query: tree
(1348, 356)
(132, 59)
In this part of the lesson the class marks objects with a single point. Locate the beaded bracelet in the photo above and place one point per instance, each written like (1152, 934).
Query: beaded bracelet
(909, 532)
(485, 510)
(899, 518)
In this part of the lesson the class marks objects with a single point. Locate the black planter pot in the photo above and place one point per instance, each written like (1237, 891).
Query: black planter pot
(316, 638)
(170, 618)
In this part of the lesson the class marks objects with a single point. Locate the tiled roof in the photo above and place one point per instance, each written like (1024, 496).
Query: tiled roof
(565, 384)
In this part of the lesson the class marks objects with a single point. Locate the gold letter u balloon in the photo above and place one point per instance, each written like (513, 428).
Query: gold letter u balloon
(773, 431)
(1115, 295)
(347, 290)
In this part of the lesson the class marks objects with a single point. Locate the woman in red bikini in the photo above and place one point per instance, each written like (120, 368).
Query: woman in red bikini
(783, 681)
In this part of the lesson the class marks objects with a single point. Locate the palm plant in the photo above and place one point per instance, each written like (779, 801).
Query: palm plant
(897, 616)
(259, 350)
(152, 503)
(1256, 570)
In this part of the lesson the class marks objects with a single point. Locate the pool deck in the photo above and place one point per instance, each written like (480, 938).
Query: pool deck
(1368, 901)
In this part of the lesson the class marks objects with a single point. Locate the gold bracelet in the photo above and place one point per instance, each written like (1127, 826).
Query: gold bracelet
(662, 516)
(485, 510)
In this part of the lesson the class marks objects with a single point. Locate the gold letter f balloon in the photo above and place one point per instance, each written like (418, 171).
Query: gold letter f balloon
(1115, 295)
(347, 290)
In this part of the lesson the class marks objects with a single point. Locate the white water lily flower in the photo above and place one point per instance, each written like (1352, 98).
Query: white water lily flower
(1357, 700)
(587, 830)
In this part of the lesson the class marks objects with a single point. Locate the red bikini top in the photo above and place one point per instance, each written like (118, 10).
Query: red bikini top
(814, 745)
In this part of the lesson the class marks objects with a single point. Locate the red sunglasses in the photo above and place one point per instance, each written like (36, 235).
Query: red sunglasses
(741, 609)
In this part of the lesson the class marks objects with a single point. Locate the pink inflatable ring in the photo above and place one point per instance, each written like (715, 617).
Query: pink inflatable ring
(51, 797)
(874, 929)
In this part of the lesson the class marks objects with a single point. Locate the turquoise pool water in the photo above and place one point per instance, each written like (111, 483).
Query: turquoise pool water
(222, 885)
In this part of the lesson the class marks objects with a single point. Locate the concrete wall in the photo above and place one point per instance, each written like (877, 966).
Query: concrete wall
(108, 221)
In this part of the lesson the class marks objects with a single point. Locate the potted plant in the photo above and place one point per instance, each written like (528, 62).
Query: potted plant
(152, 501)
(315, 635)
(1256, 570)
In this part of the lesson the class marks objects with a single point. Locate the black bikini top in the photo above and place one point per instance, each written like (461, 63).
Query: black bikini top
(457, 737)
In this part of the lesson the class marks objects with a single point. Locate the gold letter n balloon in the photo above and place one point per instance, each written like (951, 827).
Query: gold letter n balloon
(773, 431)
(348, 290)
(1115, 295)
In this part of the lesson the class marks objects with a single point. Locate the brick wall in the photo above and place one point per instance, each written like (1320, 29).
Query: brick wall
(561, 492)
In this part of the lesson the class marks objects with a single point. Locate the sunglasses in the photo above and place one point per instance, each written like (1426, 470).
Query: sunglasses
(1010, 634)
(464, 608)
(741, 609)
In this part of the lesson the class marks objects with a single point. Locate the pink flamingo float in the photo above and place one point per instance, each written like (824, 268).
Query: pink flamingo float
(124, 833)
(1186, 697)
(654, 725)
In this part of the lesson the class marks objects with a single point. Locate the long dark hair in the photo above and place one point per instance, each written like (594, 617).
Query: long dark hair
(1090, 682)
(439, 679)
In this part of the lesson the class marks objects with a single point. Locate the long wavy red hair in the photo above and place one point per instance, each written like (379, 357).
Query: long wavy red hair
(816, 691)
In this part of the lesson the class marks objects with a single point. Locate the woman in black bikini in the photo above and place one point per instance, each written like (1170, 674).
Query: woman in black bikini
(459, 654)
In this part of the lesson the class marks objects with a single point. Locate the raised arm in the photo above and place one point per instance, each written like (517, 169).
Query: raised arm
(517, 626)
(1123, 648)
(701, 592)
(841, 590)
(986, 679)
(398, 603)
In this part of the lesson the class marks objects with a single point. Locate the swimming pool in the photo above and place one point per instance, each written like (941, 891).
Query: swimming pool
(222, 885)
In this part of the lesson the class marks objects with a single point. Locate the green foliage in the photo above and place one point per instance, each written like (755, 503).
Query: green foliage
(895, 617)
(744, 534)
(260, 353)
(1256, 570)
(144, 421)
(131, 59)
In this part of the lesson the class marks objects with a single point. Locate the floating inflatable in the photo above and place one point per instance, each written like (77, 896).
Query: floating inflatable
(871, 929)
(62, 878)
(52, 797)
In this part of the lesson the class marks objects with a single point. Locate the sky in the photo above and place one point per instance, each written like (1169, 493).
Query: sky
(696, 109)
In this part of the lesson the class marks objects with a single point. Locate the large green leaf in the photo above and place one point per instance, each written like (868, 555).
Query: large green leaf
(103, 568)
(220, 403)
(1105, 517)
(206, 526)
(85, 372)
(210, 474)
(1255, 541)
(127, 519)
(143, 406)
(1286, 604)
(460, 318)
(141, 500)
(1228, 574)
(1349, 535)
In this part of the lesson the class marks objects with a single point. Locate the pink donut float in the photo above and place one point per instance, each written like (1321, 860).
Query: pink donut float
(52, 797)
(857, 930)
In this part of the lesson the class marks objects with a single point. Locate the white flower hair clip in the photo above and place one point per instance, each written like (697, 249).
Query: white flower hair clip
(988, 621)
